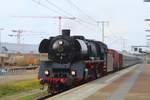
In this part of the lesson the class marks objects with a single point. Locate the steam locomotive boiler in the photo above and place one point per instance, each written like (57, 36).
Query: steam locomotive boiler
(72, 60)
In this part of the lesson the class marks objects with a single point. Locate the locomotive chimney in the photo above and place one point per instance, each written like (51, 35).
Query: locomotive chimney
(66, 32)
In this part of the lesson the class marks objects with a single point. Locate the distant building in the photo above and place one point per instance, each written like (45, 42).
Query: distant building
(14, 48)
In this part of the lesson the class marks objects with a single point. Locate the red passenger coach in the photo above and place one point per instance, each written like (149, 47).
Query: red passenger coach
(117, 59)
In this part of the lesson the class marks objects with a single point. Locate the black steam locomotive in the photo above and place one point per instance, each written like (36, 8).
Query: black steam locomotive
(73, 60)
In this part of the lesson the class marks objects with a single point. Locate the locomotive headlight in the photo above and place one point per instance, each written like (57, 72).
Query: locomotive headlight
(46, 72)
(60, 42)
(73, 73)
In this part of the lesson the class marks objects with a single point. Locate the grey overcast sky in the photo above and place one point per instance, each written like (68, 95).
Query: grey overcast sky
(126, 20)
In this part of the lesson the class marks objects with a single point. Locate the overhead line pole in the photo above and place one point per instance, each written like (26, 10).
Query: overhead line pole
(59, 24)
(18, 37)
(60, 19)
(103, 28)
(124, 44)
(0, 36)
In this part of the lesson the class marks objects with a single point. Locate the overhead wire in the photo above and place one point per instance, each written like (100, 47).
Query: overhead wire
(80, 10)
(66, 13)
(57, 7)
(53, 10)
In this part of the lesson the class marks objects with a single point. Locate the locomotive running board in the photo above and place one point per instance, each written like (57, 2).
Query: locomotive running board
(94, 61)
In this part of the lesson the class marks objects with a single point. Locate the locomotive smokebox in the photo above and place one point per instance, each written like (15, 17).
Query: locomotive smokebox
(66, 32)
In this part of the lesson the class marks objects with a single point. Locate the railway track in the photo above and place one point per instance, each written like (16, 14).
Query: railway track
(44, 97)
(48, 95)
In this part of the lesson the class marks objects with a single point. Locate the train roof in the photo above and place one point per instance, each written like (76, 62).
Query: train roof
(123, 52)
